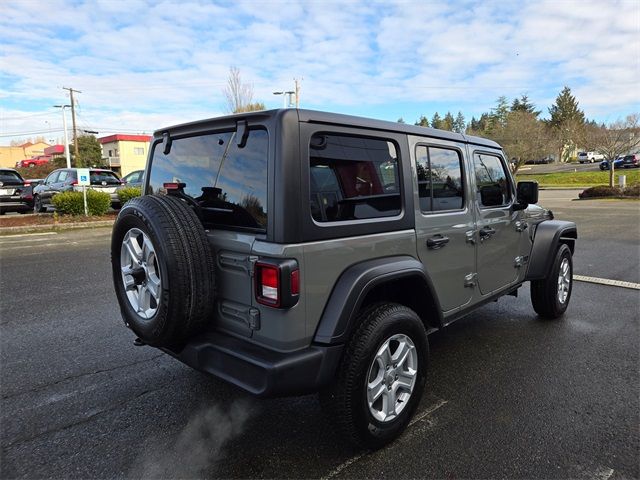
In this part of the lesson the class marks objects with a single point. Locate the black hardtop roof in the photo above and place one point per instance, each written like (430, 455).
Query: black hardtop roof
(314, 116)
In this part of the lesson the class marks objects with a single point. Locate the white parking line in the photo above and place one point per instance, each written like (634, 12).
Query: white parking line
(416, 419)
(20, 235)
(606, 281)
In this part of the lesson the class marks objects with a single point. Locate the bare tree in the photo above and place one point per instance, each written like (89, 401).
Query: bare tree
(239, 95)
(618, 138)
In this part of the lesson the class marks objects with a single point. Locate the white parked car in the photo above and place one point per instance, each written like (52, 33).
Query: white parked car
(589, 157)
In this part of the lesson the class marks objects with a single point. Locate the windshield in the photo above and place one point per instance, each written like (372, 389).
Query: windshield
(7, 176)
(227, 182)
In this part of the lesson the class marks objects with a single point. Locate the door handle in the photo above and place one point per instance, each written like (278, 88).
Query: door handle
(436, 242)
(486, 233)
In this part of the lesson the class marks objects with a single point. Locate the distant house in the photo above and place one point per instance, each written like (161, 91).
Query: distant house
(12, 154)
(125, 153)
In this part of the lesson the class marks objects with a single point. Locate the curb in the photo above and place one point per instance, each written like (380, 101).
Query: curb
(55, 227)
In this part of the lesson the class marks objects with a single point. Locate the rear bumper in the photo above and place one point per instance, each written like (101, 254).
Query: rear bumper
(258, 370)
(15, 204)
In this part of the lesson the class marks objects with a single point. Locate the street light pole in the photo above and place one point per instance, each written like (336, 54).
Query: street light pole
(66, 135)
(285, 96)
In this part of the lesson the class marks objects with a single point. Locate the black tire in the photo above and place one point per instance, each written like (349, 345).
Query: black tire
(345, 401)
(37, 204)
(544, 293)
(185, 263)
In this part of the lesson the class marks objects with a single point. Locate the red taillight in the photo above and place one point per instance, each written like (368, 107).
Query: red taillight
(174, 185)
(277, 282)
(295, 282)
(268, 287)
(27, 184)
(75, 182)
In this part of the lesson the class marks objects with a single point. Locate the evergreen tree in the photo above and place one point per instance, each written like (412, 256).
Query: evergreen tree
(498, 116)
(523, 104)
(401, 120)
(459, 125)
(567, 123)
(565, 110)
(447, 123)
(436, 121)
(89, 152)
(423, 121)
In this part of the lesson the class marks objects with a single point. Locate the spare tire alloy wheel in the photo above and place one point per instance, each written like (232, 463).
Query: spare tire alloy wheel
(163, 270)
(140, 273)
(392, 377)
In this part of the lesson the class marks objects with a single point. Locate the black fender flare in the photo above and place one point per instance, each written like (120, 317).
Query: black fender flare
(548, 235)
(352, 287)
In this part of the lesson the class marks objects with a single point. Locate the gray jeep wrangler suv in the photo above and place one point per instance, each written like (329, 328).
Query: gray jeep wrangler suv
(293, 251)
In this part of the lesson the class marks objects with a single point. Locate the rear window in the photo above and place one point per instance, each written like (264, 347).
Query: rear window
(7, 176)
(228, 183)
(109, 178)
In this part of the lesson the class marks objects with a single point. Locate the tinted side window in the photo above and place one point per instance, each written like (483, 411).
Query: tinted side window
(353, 178)
(492, 184)
(440, 184)
(52, 178)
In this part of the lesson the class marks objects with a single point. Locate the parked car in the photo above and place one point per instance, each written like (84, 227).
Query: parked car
(15, 192)
(631, 161)
(34, 162)
(133, 179)
(66, 179)
(323, 264)
(589, 157)
(617, 163)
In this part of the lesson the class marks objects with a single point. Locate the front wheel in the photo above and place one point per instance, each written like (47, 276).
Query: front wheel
(381, 377)
(550, 296)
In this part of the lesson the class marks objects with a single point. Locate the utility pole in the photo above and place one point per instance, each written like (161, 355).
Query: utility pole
(73, 120)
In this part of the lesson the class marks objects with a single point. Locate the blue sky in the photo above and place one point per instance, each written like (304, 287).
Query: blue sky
(144, 65)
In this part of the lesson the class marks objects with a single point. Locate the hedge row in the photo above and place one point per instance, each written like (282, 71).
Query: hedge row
(72, 203)
(606, 191)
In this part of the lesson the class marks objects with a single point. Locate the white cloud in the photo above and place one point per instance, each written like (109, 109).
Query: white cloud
(154, 63)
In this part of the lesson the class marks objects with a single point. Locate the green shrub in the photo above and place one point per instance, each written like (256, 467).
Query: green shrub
(68, 203)
(632, 190)
(606, 191)
(127, 193)
(72, 203)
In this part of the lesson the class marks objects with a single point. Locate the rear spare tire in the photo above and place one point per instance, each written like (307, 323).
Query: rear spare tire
(162, 270)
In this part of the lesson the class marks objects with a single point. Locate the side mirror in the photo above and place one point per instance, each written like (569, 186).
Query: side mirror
(527, 193)
(491, 195)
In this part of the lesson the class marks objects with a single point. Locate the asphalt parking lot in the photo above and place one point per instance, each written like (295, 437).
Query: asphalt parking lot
(509, 395)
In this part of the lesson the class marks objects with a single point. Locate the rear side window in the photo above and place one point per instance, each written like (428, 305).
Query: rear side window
(492, 184)
(227, 182)
(440, 184)
(353, 178)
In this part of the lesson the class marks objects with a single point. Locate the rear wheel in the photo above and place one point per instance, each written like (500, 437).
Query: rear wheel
(37, 204)
(550, 297)
(381, 377)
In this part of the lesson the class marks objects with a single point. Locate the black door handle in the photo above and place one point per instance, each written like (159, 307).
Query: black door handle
(437, 241)
(486, 232)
